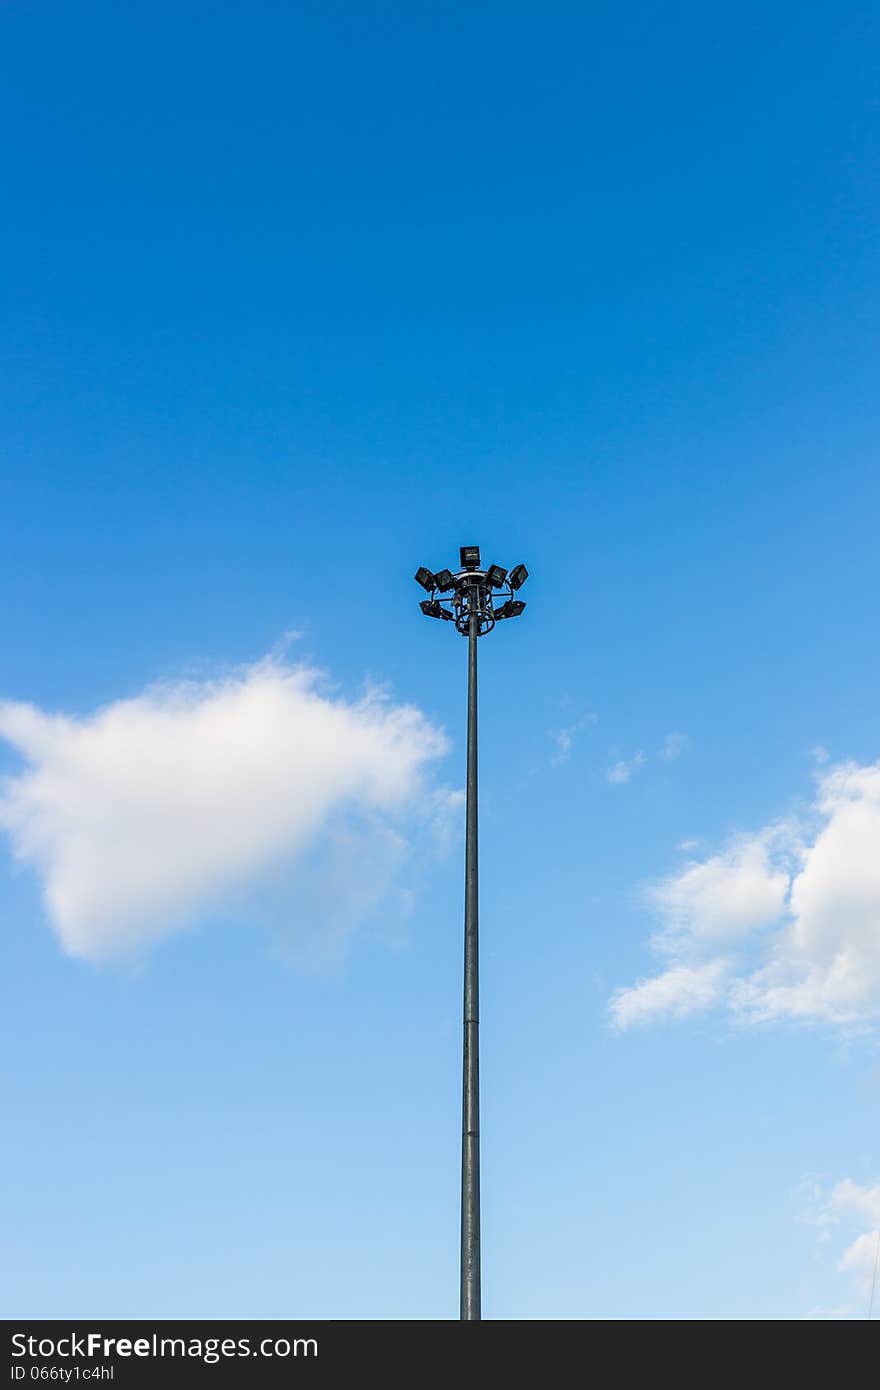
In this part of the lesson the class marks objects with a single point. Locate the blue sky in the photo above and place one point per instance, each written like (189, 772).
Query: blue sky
(297, 298)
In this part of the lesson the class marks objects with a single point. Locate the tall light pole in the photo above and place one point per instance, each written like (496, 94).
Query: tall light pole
(475, 592)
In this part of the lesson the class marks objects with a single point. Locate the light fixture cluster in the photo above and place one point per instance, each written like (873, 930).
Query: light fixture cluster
(475, 592)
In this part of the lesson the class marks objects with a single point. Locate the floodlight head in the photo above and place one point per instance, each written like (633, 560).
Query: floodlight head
(478, 597)
(433, 608)
(470, 557)
(425, 578)
(511, 609)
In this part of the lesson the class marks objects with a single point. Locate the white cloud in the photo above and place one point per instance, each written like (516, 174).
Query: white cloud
(860, 1260)
(849, 1206)
(160, 807)
(677, 992)
(623, 770)
(673, 747)
(849, 1198)
(722, 898)
(564, 738)
(799, 902)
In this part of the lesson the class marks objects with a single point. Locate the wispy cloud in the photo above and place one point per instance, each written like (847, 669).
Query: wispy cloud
(623, 770)
(565, 737)
(854, 1210)
(784, 921)
(673, 747)
(158, 808)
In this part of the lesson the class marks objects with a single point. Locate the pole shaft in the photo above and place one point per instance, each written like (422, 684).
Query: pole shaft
(470, 1125)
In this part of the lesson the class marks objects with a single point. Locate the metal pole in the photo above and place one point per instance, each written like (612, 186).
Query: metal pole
(470, 1122)
(476, 609)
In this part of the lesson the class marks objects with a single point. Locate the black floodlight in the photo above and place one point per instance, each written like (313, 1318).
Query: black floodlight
(433, 608)
(478, 597)
(511, 609)
(470, 557)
